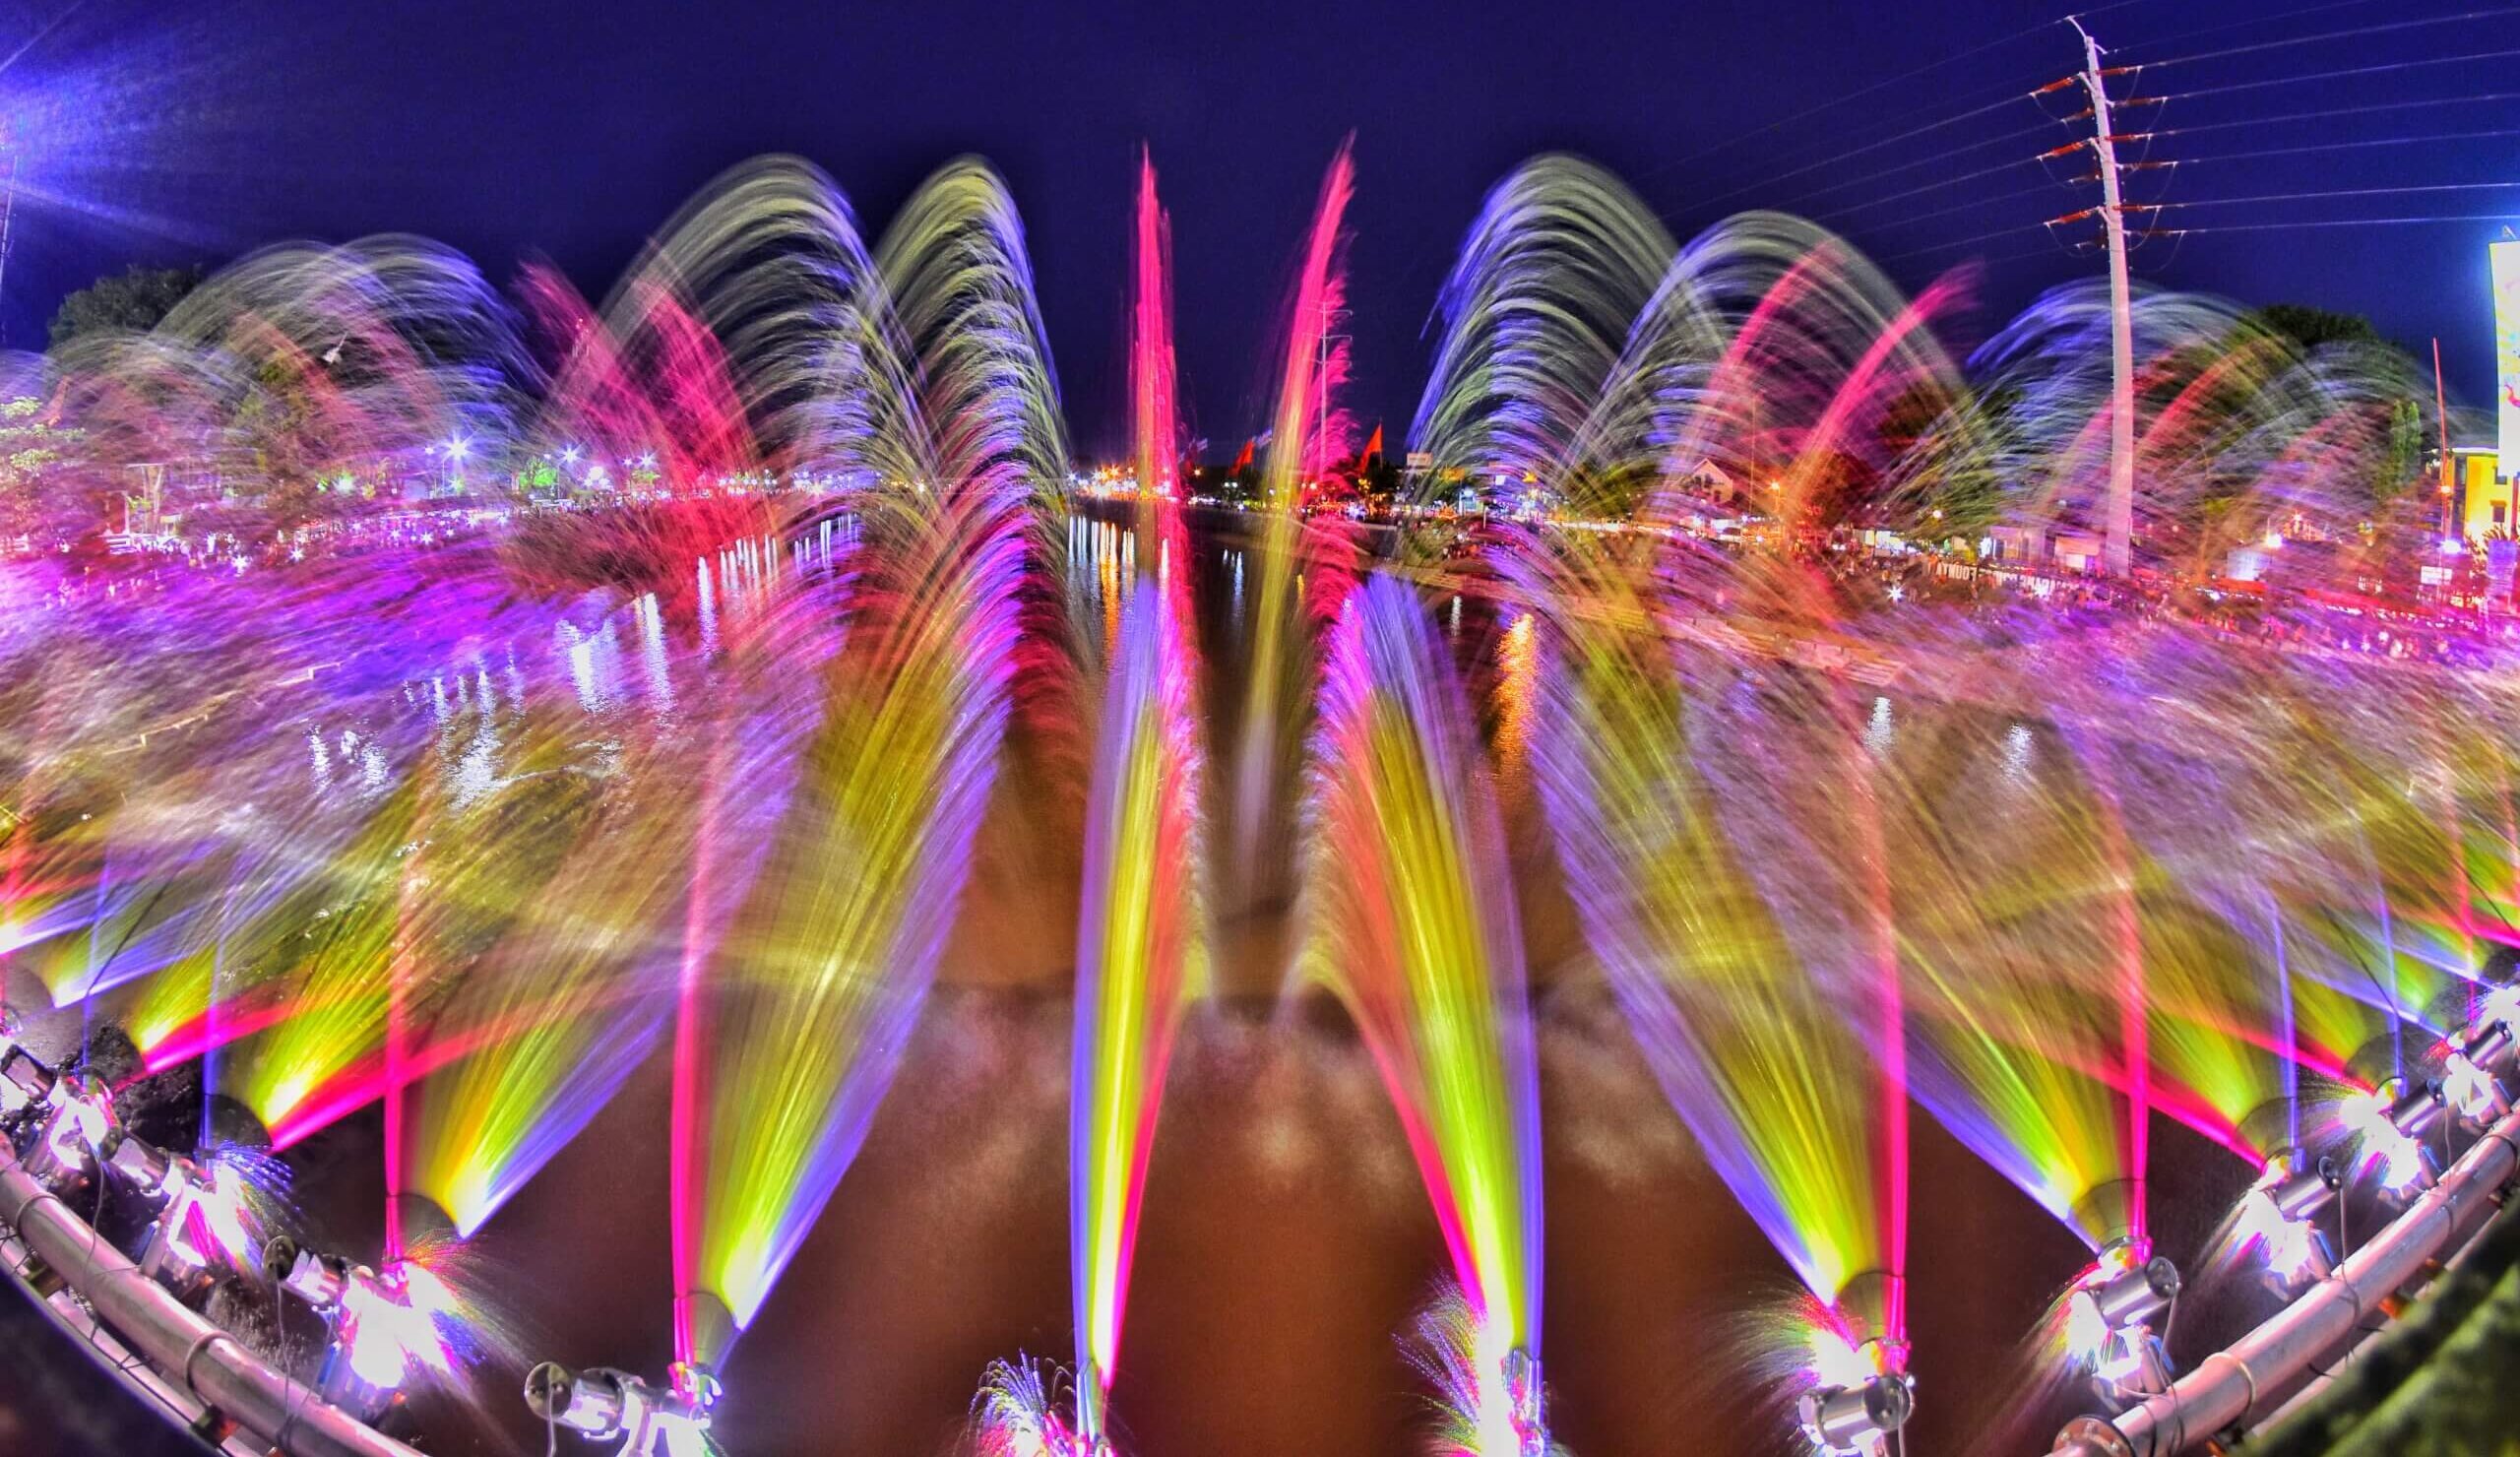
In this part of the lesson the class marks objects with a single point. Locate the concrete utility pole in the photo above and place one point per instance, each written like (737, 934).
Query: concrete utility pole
(8, 213)
(2441, 415)
(2118, 514)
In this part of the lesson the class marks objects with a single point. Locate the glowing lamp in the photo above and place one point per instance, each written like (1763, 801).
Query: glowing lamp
(2488, 1044)
(2108, 1321)
(2133, 1296)
(2470, 1091)
(81, 1116)
(152, 1175)
(320, 1280)
(1858, 1418)
(2276, 1218)
(2501, 1003)
(603, 1404)
(2305, 1193)
(182, 1252)
(2396, 1157)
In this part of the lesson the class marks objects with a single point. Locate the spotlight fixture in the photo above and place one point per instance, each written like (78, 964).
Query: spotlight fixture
(378, 1328)
(2109, 1316)
(199, 1229)
(2419, 1110)
(2278, 1217)
(320, 1280)
(1857, 1419)
(2488, 1043)
(603, 1404)
(152, 1175)
(25, 1084)
(2388, 1125)
(2468, 1084)
(78, 1116)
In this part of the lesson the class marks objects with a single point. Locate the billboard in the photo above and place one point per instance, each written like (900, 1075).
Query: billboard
(2506, 357)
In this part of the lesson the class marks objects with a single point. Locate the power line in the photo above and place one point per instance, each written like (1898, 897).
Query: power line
(2293, 197)
(1942, 182)
(2241, 86)
(2251, 23)
(2343, 223)
(2327, 147)
(1879, 85)
(2010, 98)
(1944, 160)
(2336, 111)
(2291, 40)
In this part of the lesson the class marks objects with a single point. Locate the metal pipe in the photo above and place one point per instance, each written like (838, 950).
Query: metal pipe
(2264, 1367)
(197, 1356)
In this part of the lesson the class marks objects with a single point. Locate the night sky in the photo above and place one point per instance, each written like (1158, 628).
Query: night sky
(189, 133)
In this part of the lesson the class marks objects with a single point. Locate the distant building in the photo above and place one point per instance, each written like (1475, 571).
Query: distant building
(2483, 500)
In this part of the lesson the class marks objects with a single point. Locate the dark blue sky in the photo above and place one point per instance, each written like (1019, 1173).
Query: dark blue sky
(186, 132)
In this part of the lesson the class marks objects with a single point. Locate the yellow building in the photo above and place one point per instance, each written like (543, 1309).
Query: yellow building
(2487, 504)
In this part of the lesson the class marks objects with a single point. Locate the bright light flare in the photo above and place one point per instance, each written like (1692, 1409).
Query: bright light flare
(397, 1319)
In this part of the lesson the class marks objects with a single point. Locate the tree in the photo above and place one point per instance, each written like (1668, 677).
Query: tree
(34, 448)
(2308, 328)
(134, 300)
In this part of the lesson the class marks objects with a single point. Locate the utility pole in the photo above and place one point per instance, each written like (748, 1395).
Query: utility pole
(8, 213)
(2441, 415)
(2117, 513)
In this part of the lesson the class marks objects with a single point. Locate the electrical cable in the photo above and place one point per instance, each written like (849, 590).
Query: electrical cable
(2009, 99)
(2289, 40)
(2333, 192)
(2408, 222)
(2255, 20)
(2326, 147)
(2377, 70)
(1879, 85)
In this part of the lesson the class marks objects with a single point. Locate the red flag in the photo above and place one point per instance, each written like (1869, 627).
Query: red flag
(1373, 447)
(1242, 461)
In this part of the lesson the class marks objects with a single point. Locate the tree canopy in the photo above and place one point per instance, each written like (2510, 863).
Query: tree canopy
(2308, 327)
(132, 300)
